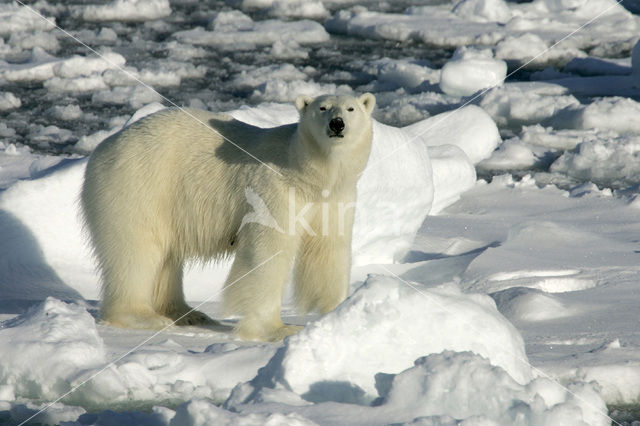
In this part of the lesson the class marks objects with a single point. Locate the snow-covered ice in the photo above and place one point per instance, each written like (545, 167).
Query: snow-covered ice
(468, 72)
(127, 10)
(495, 252)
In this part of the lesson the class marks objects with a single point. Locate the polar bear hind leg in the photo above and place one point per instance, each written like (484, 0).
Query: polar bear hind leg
(142, 286)
(168, 295)
(128, 277)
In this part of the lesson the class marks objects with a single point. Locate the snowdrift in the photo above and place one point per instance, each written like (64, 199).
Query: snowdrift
(384, 355)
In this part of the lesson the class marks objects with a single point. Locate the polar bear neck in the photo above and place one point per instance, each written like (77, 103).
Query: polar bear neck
(336, 170)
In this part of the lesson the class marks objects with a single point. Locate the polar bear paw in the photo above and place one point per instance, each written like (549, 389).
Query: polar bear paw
(284, 331)
(193, 317)
(251, 331)
(140, 320)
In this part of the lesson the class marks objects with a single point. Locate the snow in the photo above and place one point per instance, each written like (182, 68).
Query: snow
(9, 101)
(525, 29)
(81, 66)
(384, 233)
(478, 138)
(127, 10)
(79, 71)
(350, 345)
(135, 96)
(19, 18)
(483, 10)
(506, 403)
(408, 74)
(495, 252)
(46, 346)
(286, 8)
(614, 113)
(464, 77)
(611, 162)
(517, 105)
(253, 34)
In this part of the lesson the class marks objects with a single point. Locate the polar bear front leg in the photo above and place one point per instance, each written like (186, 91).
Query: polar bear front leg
(323, 266)
(256, 281)
(321, 272)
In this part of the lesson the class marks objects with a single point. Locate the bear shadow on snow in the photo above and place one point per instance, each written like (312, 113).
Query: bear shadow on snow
(25, 276)
(336, 391)
(233, 141)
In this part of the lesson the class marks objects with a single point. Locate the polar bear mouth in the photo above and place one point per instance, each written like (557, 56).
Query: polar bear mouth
(336, 135)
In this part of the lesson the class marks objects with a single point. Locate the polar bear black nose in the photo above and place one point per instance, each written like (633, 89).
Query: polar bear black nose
(336, 125)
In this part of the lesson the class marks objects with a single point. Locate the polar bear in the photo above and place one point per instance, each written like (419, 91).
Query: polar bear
(183, 184)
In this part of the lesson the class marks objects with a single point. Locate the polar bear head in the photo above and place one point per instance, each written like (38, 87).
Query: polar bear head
(336, 120)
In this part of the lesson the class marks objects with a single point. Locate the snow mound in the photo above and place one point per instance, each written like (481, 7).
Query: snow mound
(611, 113)
(530, 48)
(14, 18)
(259, 33)
(128, 11)
(470, 128)
(165, 371)
(619, 381)
(483, 10)
(75, 85)
(453, 174)
(382, 231)
(535, 255)
(9, 101)
(15, 160)
(76, 65)
(612, 162)
(526, 304)
(312, 9)
(515, 104)
(135, 96)
(468, 377)
(55, 347)
(248, 80)
(350, 345)
(75, 74)
(464, 77)
(409, 74)
(280, 90)
(513, 154)
(44, 349)
(366, 365)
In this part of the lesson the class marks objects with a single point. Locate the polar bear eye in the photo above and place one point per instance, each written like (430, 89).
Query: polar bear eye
(350, 109)
(323, 108)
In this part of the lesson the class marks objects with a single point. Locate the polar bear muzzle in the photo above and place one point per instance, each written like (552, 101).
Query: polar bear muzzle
(336, 126)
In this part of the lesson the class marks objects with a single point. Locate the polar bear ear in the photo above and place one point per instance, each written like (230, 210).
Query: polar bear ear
(303, 102)
(368, 101)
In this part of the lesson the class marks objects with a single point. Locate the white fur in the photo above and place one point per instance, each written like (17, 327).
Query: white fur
(172, 187)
